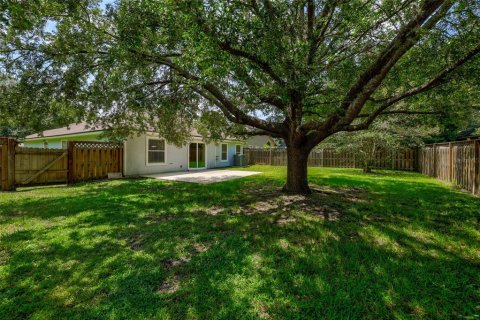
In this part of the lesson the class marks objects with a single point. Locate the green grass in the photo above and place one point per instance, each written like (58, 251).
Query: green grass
(386, 245)
(195, 164)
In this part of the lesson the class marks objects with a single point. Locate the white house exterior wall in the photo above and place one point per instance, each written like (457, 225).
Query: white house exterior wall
(176, 157)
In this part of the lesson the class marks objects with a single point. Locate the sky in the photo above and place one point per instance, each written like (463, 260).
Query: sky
(51, 26)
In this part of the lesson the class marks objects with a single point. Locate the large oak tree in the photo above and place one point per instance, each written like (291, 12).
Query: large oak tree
(301, 70)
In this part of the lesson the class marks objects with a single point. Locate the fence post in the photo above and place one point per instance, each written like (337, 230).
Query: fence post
(70, 174)
(11, 163)
(7, 173)
(3, 170)
(476, 170)
(435, 160)
(450, 162)
(417, 159)
(271, 159)
(393, 156)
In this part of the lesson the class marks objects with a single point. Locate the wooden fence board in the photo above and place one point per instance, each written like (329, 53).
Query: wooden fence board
(80, 161)
(94, 160)
(40, 166)
(400, 159)
(455, 162)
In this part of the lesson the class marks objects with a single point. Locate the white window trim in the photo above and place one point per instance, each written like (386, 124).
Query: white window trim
(148, 164)
(221, 152)
(241, 149)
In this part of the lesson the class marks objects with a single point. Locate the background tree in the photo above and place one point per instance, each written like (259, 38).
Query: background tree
(28, 109)
(301, 70)
(384, 137)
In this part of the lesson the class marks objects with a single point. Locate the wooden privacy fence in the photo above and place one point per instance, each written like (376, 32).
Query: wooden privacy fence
(40, 166)
(93, 160)
(395, 159)
(7, 160)
(80, 161)
(455, 162)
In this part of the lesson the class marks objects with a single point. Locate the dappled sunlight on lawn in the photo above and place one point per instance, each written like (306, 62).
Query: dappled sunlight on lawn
(384, 245)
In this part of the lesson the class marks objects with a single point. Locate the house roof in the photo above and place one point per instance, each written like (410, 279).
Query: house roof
(84, 128)
(75, 128)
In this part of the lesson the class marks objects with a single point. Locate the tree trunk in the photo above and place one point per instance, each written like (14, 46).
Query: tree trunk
(297, 180)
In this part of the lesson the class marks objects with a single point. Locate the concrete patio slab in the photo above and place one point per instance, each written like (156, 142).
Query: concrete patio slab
(203, 176)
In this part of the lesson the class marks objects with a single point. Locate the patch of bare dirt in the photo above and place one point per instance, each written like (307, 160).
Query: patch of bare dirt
(200, 247)
(352, 194)
(262, 312)
(135, 242)
(285, 220)
(282, 202)
(274, 202)
(262, 207)
(323, 211)
(213, 211)
(176, 262)
(170, 285)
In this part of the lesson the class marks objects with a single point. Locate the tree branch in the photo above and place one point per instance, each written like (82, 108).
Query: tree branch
(231, 111)
(394, 112)
(325, 19)
(264, 66)
(440, 79)
(430, 12)
(310, 18)
(435, 82)
(256, 133)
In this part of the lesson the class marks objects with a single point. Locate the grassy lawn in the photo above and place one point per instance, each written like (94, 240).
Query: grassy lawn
(387, 245)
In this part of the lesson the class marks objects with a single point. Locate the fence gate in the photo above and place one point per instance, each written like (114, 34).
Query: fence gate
(40, 166)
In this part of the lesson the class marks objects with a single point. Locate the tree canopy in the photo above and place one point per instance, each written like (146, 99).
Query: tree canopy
(301, 70)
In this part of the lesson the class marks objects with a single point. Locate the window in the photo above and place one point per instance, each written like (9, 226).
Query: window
(224, 156)
(238, 149)
(155, 151)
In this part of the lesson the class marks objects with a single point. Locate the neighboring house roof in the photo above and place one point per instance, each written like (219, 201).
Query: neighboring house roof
(72, 129)
(261, 141)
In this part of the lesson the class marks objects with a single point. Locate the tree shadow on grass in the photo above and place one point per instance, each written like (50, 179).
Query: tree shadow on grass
(151, 249)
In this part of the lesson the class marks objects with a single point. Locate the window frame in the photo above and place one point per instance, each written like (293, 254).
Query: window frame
(221, 152)
(148, 163)
(241, 149)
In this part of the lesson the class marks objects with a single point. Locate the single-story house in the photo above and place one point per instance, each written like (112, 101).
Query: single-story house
(148, 153)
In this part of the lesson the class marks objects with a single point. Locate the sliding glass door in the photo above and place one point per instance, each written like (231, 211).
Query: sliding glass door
(197, 156)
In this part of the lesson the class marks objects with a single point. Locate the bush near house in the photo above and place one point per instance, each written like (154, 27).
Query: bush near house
(385, 245)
